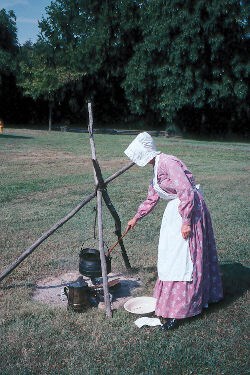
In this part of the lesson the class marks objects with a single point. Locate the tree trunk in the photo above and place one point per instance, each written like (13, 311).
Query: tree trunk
(203, 124)
(50, 115)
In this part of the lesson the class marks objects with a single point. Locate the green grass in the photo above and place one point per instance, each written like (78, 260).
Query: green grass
(43, 176)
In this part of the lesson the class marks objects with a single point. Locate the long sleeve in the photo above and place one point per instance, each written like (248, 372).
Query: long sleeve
(147, 206)
(182, 181)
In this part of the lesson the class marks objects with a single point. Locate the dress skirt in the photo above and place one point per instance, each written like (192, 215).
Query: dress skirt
(182, 299)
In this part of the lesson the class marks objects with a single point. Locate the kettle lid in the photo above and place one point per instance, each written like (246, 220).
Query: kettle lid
(79, 283)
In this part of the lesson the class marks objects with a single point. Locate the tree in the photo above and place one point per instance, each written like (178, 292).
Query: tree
(96, 37)
(192, 56)
(8, 42)
(41, 76)
(8, 60)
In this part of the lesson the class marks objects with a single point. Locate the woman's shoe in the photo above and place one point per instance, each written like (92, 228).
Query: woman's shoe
(163, 320)
(170, 324)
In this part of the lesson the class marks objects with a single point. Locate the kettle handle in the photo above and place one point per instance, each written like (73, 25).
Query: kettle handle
(66, 292)
(90, 238)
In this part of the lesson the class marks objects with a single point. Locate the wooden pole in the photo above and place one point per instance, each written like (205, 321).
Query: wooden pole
(57, 225)
(102, 256)
(99, 182)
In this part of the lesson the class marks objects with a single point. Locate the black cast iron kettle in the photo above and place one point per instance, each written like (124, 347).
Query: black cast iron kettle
(90, 261)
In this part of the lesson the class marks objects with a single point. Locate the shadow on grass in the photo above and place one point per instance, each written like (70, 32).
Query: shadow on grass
(236, 281)
(136, 270)
(17, 286)
(15, 136)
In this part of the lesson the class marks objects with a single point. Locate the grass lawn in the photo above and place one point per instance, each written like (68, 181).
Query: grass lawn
(44, 176)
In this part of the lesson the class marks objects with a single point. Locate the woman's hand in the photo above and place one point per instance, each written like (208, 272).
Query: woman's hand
(131, 224)
(185, 231)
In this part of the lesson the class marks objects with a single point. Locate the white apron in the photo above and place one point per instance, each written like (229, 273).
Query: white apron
(174, 260)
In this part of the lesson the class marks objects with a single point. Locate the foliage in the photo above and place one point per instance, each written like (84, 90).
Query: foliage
(40, 75)
(8, 60)
(8, 42)
(96, 37)
(192, 55)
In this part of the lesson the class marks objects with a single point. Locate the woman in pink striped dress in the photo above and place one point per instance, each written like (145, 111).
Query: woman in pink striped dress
(188, 272)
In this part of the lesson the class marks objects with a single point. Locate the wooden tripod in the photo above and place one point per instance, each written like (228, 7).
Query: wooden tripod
(102, 193)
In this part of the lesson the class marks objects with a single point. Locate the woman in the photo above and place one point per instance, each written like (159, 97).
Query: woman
(188, 272)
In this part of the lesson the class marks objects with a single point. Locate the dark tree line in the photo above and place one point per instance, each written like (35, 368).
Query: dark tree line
(169, 64)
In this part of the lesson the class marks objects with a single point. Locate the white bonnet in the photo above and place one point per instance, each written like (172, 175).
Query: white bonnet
(142, 149)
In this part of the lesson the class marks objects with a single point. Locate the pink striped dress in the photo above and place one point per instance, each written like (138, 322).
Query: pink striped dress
(181, 299)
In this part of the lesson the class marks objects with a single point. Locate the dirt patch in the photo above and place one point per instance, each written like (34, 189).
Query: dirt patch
(51, 289)
(47, 156)
(58, 161)
(39, 156)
